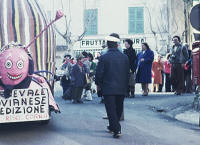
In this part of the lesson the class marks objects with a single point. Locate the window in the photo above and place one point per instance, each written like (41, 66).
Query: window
(90, 21)
(136, 20)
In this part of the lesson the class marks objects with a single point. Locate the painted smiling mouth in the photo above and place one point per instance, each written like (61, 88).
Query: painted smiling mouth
(14, 77)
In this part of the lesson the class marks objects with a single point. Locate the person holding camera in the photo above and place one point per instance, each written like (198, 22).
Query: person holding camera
(179, 55)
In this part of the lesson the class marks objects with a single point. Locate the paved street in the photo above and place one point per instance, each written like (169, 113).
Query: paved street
(82, 124)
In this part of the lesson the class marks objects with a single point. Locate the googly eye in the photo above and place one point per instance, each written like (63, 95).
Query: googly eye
(8, 64)
(20, 64)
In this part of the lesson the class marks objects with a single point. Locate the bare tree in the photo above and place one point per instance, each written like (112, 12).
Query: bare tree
(161, 24)
(150, 22)
(67, 35)
(165, 23)
(187, 6)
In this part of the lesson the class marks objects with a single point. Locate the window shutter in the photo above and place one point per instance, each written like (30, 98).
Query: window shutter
(136, 20)
(90, 21)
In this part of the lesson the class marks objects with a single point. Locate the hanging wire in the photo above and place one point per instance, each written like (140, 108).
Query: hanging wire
(70, 9)
(62, 5)
(53, 8)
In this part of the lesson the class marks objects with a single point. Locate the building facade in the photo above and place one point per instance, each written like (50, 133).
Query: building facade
(151, 21)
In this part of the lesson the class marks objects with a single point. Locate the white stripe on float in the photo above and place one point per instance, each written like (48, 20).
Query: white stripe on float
(48, 39)
(26, 24)
(42, 36)
(5, 23)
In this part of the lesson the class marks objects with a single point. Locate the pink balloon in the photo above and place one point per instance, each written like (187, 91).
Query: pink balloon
(59, 14)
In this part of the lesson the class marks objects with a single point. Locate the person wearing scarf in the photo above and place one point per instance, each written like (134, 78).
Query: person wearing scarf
(66, 78)
(78, 80)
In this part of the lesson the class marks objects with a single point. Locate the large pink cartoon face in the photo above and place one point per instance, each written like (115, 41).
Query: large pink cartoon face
(13, 66)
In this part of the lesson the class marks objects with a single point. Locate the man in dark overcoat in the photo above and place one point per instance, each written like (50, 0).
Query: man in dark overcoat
(130, 52)
(112, 77)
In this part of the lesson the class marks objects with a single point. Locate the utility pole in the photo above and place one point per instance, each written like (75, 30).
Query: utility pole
(168, 26)
(186, 22)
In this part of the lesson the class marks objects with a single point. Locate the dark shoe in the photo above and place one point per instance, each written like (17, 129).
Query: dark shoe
(117, 135)
(178, 93)
(102, 101)
(105, 117)
(121, 119)
(109, 130)
(66, 98)
(80, 101)
(132, 96)
(189, 92)
(145, 94)
(74, 102)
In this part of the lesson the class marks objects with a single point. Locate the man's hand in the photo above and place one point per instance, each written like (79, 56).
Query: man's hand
(98, 88)
(187, 62)
(142, 59)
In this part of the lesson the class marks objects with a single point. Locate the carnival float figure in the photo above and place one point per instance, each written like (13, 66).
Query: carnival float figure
(27, 53)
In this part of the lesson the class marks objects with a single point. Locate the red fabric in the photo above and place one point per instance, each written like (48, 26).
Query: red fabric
(66, 61)
(71, 61)
(167, 67)
(157, 67)
(80, 63)
(186, 67)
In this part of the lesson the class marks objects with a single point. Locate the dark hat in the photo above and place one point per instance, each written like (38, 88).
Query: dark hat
(67, 55)
(79, 56)
(85, 54)
(90, 56)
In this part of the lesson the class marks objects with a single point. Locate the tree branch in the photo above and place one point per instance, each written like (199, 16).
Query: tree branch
(58, 31)
(81, 36)
(150, 21)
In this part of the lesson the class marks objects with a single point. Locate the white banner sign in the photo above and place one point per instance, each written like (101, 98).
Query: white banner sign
(25, 105)
(97, 43)
(92, 43)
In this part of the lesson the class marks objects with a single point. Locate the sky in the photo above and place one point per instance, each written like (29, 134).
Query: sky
(47, 4)
(53, 5)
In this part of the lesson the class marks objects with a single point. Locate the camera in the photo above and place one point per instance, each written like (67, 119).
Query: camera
(172, 56)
